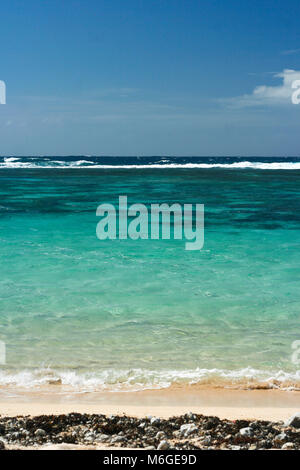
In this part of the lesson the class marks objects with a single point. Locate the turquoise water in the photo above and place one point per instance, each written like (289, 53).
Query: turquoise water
(147, 313)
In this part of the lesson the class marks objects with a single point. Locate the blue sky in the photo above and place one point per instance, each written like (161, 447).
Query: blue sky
(170, 77)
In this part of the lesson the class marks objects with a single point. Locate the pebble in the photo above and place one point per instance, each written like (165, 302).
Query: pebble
(191, 416)
(288, 446)
(40, 433)
(188, 432)
(206, 440)
(163, 445)
(187, 429)
(246, 432)
(102, 438)
(294, 421)
(116, 439)
(281, 437)
(154, 421)
(90, 436)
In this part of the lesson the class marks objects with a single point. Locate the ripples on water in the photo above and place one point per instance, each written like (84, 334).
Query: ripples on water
(147, 313)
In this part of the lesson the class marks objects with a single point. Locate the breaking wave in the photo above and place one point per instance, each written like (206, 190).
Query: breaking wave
(139, 379)
(149, 163)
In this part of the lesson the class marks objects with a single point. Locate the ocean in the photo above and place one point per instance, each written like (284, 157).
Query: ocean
(136, 314)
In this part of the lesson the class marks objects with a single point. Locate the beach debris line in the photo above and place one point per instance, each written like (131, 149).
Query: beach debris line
(189, 432)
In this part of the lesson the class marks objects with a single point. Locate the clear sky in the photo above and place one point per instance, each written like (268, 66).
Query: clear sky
(149, 77)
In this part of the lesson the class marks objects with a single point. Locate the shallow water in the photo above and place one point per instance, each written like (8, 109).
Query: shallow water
(146, 313)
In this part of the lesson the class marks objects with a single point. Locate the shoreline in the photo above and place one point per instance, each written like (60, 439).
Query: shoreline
(271, 405)
(253, 421)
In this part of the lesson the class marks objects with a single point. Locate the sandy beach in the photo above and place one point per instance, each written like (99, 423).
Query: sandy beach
(272, 405)
(177, 418)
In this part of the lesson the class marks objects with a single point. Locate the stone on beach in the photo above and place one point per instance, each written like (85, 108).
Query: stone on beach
(40, 433)
(246, 432)
(187, 429)
(294, 421)
(179, 432)
(154, 421)
(102, 438)
(163, 445)
(288, 446)
(117, 439)
(206, 440)
(281, 437)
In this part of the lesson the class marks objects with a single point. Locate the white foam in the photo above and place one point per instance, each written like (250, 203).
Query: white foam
(140, 379)
(11, 159)
(13, 162)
